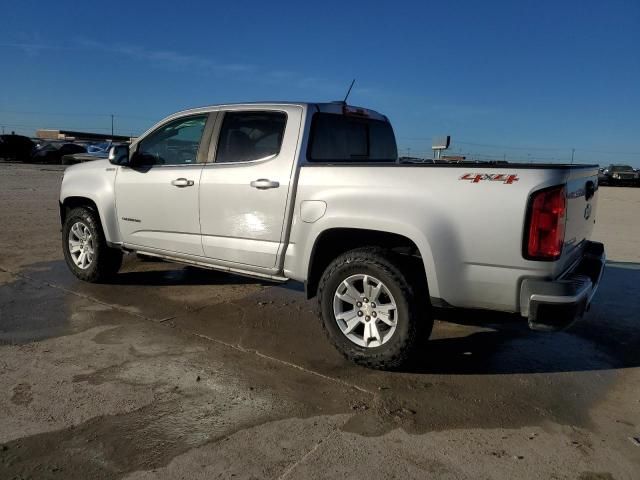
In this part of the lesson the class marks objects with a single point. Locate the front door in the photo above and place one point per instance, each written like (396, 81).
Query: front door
(157, 196)
(244, 191)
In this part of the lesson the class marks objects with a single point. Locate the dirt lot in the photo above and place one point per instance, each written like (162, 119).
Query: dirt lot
(173, 372)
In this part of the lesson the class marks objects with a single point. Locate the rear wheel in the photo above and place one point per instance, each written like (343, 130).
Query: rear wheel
(371, 311)
(85, 247)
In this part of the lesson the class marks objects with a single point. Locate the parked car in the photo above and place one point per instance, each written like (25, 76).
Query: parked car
(623, 175)
(52, 152)
(15, 147)
(99, 149)
(94, 151)
(315, 193)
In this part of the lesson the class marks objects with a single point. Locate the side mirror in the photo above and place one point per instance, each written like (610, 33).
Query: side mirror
(119, 155)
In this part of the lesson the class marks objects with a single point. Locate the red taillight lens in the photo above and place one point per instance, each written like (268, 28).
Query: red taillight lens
(547, 214)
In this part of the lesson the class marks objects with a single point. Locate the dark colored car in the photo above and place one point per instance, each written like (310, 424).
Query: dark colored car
(623, 175)
(16, 147)
(54, 151)
(95, 151)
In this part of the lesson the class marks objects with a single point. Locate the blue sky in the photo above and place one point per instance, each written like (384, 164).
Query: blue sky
(525, 79)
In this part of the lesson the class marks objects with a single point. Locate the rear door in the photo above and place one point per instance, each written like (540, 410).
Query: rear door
(245, 188)
(157, 198)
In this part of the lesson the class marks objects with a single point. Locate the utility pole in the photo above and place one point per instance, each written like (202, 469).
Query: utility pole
(112, 127)
(573, 151)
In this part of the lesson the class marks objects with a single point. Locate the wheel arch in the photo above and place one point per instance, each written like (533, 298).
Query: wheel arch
(332, 242)
(71, 202)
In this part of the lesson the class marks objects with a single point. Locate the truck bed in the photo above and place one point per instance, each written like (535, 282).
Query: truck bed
(444, 164)
(470, 233)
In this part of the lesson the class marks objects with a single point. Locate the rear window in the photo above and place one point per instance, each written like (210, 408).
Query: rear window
(341, 138)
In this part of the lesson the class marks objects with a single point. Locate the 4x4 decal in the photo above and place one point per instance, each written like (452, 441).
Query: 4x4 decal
(507, 178)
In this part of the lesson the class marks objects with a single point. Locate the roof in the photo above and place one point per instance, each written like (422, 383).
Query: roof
(327, 107)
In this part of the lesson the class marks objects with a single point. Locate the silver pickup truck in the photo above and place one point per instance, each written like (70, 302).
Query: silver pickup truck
(315, 193)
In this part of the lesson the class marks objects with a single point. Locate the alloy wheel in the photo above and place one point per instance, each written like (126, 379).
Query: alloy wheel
(365, 310)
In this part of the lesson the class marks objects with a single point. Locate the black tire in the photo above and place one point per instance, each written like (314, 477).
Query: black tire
(106, 261)
(413, 322)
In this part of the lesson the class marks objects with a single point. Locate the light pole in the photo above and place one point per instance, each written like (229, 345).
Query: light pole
(112, 127)
(573, 151)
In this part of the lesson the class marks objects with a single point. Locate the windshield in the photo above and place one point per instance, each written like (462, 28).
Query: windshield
(621, 168)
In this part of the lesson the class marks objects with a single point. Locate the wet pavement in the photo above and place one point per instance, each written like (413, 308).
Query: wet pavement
(175, 372)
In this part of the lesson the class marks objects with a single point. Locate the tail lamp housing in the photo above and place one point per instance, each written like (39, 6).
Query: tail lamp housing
(545, 225)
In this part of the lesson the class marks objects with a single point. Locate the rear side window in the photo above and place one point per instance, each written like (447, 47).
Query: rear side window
(247, 136)
(341, 138)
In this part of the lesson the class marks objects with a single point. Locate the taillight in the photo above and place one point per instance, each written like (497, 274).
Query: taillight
(545, 230)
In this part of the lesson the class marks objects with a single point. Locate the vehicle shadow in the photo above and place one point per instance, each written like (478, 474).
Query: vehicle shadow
(153, 290)
(608, 336)
(142, 272)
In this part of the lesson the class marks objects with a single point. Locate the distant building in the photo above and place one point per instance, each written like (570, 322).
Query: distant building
(71, 135)
(453, 158)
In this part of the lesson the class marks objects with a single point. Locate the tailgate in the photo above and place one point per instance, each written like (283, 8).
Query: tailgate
(582, 199)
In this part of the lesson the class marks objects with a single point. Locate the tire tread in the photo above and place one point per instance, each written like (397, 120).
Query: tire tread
(108, 260)
(418, 328)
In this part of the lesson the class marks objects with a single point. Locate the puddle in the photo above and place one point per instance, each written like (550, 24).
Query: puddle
(156, 290)
(108, 447)
(29, 313)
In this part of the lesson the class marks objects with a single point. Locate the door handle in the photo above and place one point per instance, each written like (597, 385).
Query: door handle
(182, 182)
(264, 184)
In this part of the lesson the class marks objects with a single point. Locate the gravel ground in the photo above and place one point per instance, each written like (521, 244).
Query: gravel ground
(173, 372)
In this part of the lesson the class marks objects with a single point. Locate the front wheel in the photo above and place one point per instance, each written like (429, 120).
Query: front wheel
(371, 311)
(85, 247)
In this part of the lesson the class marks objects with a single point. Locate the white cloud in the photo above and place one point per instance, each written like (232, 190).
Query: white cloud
(178, 61)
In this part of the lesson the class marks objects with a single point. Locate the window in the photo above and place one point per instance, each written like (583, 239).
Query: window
(247, 136)
(621, 168)
(342, 138)
(176, 143)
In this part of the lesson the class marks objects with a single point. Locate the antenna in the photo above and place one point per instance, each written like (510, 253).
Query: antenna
(349, 91)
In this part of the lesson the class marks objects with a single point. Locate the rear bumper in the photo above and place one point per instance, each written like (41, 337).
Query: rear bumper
(556, 304)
